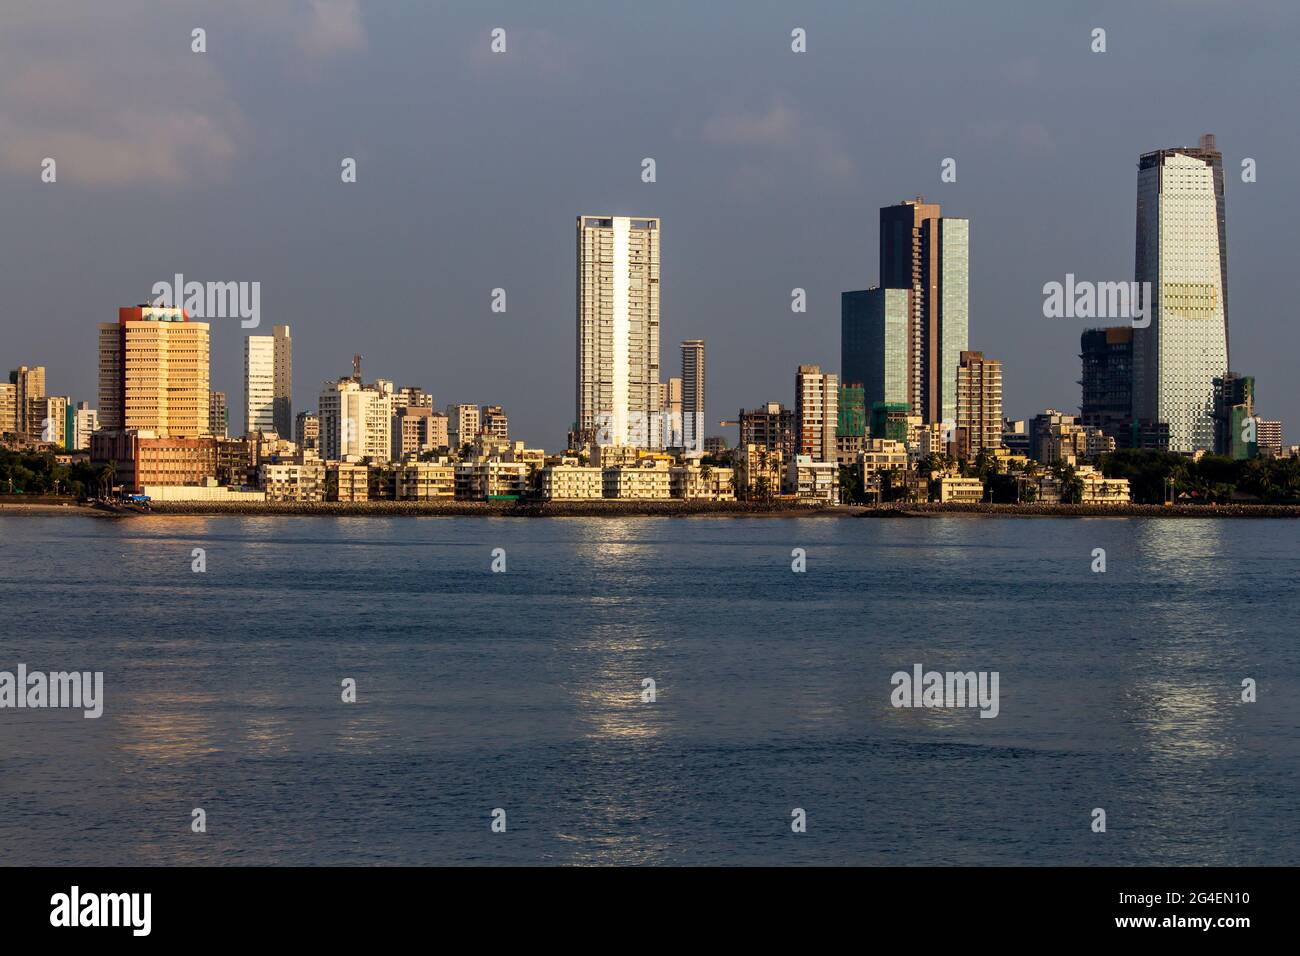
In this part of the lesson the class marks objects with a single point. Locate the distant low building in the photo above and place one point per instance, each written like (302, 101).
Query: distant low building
(649, 478)
(694, 482)
(572, 483)
(955, 488)
(813, 482)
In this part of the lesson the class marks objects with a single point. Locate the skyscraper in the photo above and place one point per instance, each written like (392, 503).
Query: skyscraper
(929, 254)
(1181, 251)
(816, 412)
(268, 382)
(1106, 387)
(618, 327)
(693, 395)
(283, 380)
(874, 329)
(153, 372)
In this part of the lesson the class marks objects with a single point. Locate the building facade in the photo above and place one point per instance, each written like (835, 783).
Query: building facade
(816, 412)
(617, 325)
(979, 404)
(1182, 253)
(153, 373)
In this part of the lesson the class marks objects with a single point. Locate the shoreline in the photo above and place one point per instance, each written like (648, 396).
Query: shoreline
(644, 509)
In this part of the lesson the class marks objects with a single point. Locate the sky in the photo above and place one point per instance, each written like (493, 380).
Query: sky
(472, 167)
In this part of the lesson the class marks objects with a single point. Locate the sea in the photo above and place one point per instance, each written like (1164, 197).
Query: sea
(652, 691)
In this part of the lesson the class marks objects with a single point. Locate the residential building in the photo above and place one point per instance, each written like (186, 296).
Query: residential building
(495, 423)
(8, 408)
(812, 481)
(617, 325)
(302, 481)
(648, 478)
(29, 383)
(760, 471)
(816, 412)
(81, 424)
(1269, 435)
(771, 427)
(425, 480)
(418, 429)
(356, 421)
(462, 425)
(979, 405)
(486, 479)
(347, 481)
(562, 482)
(955, 488)
(306, 431)
(47, 418)
(693, 421)
(218, 415)
(715, 446)
(153, 373)
(695, 482)
(1182, 253)
(411, 395)
(880, 455)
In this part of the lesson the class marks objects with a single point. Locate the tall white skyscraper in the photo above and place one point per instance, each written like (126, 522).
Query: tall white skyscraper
(618, 328)
(693, 395)
(259, 384)
(268, 382)
(1181, 252)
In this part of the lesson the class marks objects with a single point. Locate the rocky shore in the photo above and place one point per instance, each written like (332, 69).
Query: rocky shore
(651, 509)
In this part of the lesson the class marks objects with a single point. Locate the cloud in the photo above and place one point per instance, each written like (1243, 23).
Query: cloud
(537, 53)
(115, 95)
(777, 147)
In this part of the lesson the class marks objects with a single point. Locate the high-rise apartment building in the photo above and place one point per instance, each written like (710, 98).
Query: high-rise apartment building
(356, 421)
(462, 425)
(153, 372)
(979, 404)
(412, 395)
(495, 423)
(816, 411)
(693, 424)
(418, 428)
(874, 349)
(29, 383)
(8, 408)
(1269, 433)
(268, 382)
(218, 415)
(770, 428)
(1182, 253)
(618, 327)
(47, 417)
(306, 431)
(929, 254)
(82, 422)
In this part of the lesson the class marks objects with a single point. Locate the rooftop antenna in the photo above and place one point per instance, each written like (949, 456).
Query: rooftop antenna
(356, 367)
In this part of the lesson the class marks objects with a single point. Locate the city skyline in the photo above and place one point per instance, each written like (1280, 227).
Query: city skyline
(769, 183)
